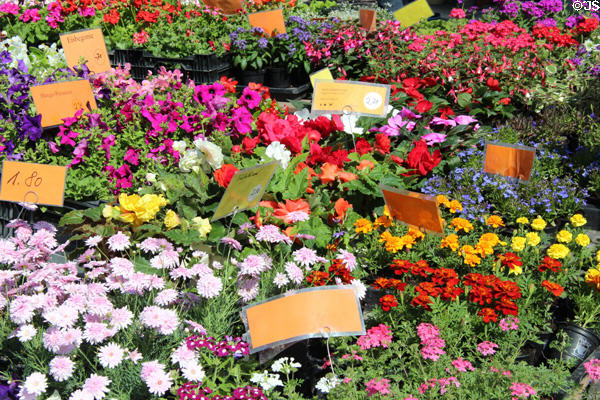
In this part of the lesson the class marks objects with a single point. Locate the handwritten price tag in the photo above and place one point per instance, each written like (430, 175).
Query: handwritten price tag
(33, 183)
(87, 44)
(416, 209)
(511, 160)
(361, 98)
(56, 101)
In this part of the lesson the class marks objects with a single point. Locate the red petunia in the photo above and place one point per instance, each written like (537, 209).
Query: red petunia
(387, 302)
(225, 174)
(553, 288)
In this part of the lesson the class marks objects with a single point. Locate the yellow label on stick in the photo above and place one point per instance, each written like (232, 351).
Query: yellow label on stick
(360, 98)
(245, 189)
(56, 101)
(414, 12)
(87, 44)
(33, 183)
(322, 74)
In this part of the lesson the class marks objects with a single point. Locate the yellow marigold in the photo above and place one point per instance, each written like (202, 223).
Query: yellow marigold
(471, 259)
(384, 221)
(450, 241)
(455, 206)
(491, 239)
(494, 221)
(533, 239)
(558, 251)
(441, 199)
(202, 225)
(363, 226)
(598, 256)
(522, 220)
(394, 244)
(564, 236)
(408, 241)
(516, 270)
(415, 233)
(386, 211)
(582, 239)
(538, 224)
(578, 220)
(518, 243)
(461, 223)
(484, 249)
(592, 277)
(171, 219)
(385, 236)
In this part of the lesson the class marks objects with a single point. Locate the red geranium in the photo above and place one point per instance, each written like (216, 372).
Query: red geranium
(382, 143)
(225, 174)
(421, 160)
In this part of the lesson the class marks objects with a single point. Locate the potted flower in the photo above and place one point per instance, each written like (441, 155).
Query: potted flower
(278, 74)
(249, 54)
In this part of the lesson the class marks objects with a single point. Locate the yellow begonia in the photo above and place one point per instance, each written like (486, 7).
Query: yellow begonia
(538, 224)
(522, 220)
(450, 241)
(582, 239)
(533, 239)
(136, 210)
(518, 243)
(592, 277)
(171, 219)
(578, 220)
(461, 223)
(202, 225)
(494, 221)
(363, 226)
(564, 236)
(558, 251)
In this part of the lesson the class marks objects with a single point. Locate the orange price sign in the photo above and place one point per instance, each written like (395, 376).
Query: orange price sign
(33, 183)
(324, 311)
(87, 44)
(360, 98)
(56, 101)
(368, 19)
(414, 209)
(270, 21)
(511, 160)
(227, 6)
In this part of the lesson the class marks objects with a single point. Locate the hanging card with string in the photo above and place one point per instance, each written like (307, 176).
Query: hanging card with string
(33, 183)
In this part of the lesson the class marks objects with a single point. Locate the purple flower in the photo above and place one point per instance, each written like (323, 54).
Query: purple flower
(242, 120)
(249, 98)
(433, 138)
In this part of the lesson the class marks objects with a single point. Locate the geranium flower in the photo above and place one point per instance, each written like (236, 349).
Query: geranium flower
(292, 211)
(421, 160)
(225, 174)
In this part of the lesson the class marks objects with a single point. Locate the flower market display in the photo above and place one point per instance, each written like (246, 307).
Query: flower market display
(134, 290)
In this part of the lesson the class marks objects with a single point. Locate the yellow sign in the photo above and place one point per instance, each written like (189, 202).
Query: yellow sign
(33, 183)
(56, 101)
(245, 190)
(414, 12)
(360, 98)
(87, 44)
(322, 74)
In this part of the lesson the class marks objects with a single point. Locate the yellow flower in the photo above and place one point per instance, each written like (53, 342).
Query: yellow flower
(109, 212)
(516, 269)
(469, 255)
(484, 249)
(533, 239)
(518, 243)
(564, 236)
(136, 210)
(171, 219)
(494, 221)
(393, 244)
(384, 221)
(522, 220)
(582, 239)
(592, 277)
(454, 206)
(461, 223)
(363, 226)
(385, 236)
(202, 225)
(415, 233)
(491, 239)
(598, 256)
(578, 220)
(538, 224)
(408, 241)
(441, 199)
(386, 211)
(558, 251)
(450, 241)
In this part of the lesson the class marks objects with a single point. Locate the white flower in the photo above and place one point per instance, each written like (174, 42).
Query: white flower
(360, 288)
(279, 152)
(280, 280)
(303, 114)
(190, 161)
(26, 333)
(266, 380)
(150, 177)
(325, 384)
(285, 364)
(192, 371)
(110, 355)
(212, 153)
(179, 145)
(36, 383)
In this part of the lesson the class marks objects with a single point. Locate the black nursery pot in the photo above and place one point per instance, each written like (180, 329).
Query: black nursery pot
(277, 77)
(582, 342)
(251, 75)
(531, 352)
(299, 77)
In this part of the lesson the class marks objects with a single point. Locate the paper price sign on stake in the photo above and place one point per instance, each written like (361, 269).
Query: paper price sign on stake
(56, 101)
(360, 98)
(324, 311)
(511, 160)
(87, 44)
(413, 13)
(368, 19)
(245, 189)
(270, 21)
(33, 183)
(322, 74)
(416, 209)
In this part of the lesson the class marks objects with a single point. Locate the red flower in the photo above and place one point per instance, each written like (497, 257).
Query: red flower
(421, 160)
(225, 174)
(318, 278)
(553, 288)
(387, 302)
(337, 268)
(493, 84)
(488, 315)
(363, 147)
(341, 206)
(248, 144)
(422, 300)
(424, 105)
(396, 159)
(397, 284)
(510, 260)
(505, 101)
(229, 84)
(507, 307)
(401, 266)
(381, 283)
(551, 264)
(292, 207)
(382, 143)
(112, 17)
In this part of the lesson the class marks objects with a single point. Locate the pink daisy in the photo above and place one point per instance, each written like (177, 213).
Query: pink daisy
(110, 355)
(271, 234)
(348, 259)
(93, 241)
(181, 273)
(158, 383)
(248, 289)
(61, 368)
(165, 259)
(134, 356)
(118, 242)
(95, 332)
(201, 269)
(166, 297)
(122, 267)
(280, 280)
(97, 386)
(36, 383)
(182, 355)
(150, 368)
(294, 272)
(209, 286)
(99, 305)
(305, 257)
(253, 265)
(121, 317)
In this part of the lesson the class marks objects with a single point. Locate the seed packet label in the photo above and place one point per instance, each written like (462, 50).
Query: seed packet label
(245, 190)
(368, 19)
(416, 209)
(412, 13)
(360, 98)
(322, 74)
(271, 21)
(87, 44)
(33, 183)
(511, 160)
(324, 311)
(227, 6)
(56, 101)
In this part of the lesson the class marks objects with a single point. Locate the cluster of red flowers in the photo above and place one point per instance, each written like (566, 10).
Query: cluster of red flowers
(337, 271)
(492, 291)
(549, 263)
(553, 35)
(586, 26)
(318, 278)
(510, 260)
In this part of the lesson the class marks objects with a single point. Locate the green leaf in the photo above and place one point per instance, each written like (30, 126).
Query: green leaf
(140, 264)
(217, 232)
(316, 227)
(95, 214)
(463, 99)
(74, 217)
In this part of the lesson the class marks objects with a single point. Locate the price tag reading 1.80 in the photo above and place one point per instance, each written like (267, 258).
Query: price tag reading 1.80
(33, 183)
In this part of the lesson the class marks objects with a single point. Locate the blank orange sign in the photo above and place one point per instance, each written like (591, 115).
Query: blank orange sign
(56, 101)
(87, 44)
(510, 160)
(314, 312)
(367, 19)
(271, 21)
(33, 183)
(227, 6)
(414, 209)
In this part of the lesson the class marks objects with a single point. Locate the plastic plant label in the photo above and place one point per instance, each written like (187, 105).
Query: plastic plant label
(322, 74)
(368, 19)
(33, 183)
(56, 101)
(416, 209)
(324, 311)
(511, 160)
(359, 98)
(412, 13)
(87, 44)
(245, 190)
(271, 21)
(227, 6)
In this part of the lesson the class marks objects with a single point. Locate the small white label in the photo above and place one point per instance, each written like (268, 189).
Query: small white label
(254, 193)
(373, 100)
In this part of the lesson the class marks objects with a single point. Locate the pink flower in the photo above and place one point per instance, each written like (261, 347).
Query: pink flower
(381, 386)
(348, 259)
(462, 365)
(166, 297)
(158, 383)
(141, 38)
(447, 381)
(433, 138)
(426, 331)
(165, 321)
(118, 242)
(209, 286)
(61, 368)
(254, 265)
(294, 272)
(432, 352)
(271, 234)
(96, 332)
(110, 355)
(457, 13)
(121, 317)
(410, 397)
(150, 368)
(305, 257)
(521, 390)
(487, 348)
(509, 323)
(32, 14)
(592, 368)
(377, 336)
(36, 383)
(97, 386)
